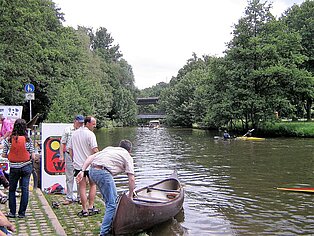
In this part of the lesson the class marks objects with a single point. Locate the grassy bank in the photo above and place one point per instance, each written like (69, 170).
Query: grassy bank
(300, 129)
(73, 224)
(288, 129)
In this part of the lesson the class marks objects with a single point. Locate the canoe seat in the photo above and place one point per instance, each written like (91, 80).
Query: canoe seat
(149, 199)
(165, 190)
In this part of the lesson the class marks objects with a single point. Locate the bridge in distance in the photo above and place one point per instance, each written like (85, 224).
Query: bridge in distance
(148, 101)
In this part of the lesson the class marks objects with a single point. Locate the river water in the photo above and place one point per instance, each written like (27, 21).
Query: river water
(230, 186)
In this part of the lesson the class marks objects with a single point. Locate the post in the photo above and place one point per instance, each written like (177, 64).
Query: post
(29, 95)
(30, 110)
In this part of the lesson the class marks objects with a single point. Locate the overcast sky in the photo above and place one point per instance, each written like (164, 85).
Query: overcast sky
(157, 37)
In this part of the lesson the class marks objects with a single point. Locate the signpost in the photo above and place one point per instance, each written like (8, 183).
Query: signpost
(29, 95)
(29, 88)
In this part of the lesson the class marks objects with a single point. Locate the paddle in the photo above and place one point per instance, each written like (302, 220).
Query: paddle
(250, 131)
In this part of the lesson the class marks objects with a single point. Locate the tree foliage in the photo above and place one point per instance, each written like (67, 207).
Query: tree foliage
(301, 19)
(264, 70)
(267, 68)
(182, 99)
(31, 52)
(262, 61)
(74, 71)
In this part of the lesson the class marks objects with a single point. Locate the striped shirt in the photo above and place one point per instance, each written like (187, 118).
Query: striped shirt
(6, 148)
(66, 136)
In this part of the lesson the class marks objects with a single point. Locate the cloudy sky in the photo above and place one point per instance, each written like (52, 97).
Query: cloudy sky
(157, 37)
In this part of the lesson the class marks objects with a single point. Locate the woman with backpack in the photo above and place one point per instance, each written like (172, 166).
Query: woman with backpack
(19, 149)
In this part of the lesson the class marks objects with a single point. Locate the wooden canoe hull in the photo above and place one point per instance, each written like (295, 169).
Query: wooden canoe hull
(153, 204)
(304, 190)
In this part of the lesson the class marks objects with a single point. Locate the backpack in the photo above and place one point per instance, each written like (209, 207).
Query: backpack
(55, 189)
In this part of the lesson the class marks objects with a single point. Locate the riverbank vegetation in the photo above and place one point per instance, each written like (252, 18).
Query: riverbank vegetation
(265, 75)
(288, 129)
(266, 72)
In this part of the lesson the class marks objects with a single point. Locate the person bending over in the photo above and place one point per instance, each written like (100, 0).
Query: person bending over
(104, 165)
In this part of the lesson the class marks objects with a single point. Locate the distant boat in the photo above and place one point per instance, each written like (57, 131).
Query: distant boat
(245, 138)
(303, 190)
(151, 205)
(155, 124)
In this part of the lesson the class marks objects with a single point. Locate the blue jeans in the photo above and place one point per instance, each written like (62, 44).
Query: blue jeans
(23, 175)
(107, 188)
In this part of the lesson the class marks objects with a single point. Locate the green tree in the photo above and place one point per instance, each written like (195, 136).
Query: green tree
(261, 62)
(64, 109)
(179, 100)
(34, 48)
(93, 94)
(102, 43)
(124, 108)
(73, 70)
(119, 76)
(301, 19)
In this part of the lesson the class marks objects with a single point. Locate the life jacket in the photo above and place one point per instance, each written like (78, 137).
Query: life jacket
(18, 152)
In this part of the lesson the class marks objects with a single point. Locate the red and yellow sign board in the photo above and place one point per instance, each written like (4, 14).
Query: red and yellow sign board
(52, 163)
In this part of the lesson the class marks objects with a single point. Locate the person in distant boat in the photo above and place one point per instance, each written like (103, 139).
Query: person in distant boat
(83, 144)
(226, 135)
(104, 165)
(65, 156)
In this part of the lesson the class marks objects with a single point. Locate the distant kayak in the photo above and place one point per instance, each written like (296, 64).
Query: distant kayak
(245, 138)
(304, 190)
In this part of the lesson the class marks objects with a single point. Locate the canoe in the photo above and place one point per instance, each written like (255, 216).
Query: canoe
(151, 205)
(304, 190)
(245, 138)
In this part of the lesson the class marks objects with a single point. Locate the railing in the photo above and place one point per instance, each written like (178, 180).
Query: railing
(151, 116)
(147, 101)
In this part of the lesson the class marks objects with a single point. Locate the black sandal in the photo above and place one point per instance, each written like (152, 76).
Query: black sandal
(3, 199)
(55, 205)
(10, 215)
(93, 211)
(83, 213)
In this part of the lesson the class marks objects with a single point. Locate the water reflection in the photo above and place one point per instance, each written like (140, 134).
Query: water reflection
(229, 185)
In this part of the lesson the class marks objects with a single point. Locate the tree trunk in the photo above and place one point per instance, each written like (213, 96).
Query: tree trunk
(308, 105)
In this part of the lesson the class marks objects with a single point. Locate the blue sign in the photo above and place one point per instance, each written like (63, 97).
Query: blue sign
(29, 88)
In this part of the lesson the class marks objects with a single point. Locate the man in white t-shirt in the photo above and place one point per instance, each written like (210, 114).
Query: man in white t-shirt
(83, 144)
(104, 165)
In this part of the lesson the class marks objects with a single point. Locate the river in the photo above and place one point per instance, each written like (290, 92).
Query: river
(230, 186)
